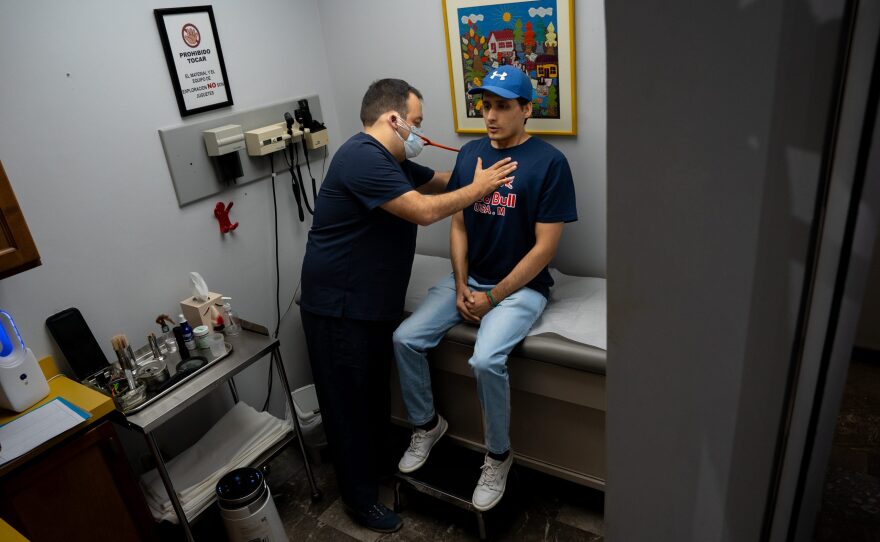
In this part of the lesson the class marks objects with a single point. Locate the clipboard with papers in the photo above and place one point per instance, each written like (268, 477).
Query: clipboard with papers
(41, 424)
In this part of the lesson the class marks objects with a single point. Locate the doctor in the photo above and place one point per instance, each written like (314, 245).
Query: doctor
(355, 274)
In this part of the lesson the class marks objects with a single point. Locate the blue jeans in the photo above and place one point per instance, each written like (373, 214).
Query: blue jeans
(501, 329)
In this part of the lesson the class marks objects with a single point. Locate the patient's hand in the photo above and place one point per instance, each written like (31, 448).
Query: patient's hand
(464, 297)
(479, 304)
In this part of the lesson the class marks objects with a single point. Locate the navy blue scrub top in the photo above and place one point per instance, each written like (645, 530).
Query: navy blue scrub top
(359, 257)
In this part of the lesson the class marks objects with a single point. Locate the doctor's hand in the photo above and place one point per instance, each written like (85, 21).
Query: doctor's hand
(464, 297)
(491, 178)
(479, 305)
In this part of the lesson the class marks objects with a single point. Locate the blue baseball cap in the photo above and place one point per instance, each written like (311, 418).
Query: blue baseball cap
(508, 82)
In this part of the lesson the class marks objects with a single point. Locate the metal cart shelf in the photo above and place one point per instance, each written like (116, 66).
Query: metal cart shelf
(248, 348)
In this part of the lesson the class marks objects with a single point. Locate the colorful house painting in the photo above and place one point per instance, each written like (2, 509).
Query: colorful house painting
(521, 34)
(501, 44)
(547, 67)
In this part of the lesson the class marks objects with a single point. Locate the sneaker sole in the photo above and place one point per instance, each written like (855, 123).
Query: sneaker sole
(420, 465)
(495, 502)
(492, 504)
(392, 530)
(360, 523)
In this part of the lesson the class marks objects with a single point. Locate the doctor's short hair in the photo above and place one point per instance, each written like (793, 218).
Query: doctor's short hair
(386, 95)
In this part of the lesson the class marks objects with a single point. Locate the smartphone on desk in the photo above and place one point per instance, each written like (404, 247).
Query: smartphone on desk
(76, 341)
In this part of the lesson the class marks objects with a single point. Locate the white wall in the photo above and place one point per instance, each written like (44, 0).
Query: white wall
(85, 89)
(405, 39)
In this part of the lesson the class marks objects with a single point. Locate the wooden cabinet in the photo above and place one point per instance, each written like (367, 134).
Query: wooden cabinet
(81, 489)
(17, 250)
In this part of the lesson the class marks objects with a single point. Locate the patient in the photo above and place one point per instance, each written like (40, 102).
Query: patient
(500, 248)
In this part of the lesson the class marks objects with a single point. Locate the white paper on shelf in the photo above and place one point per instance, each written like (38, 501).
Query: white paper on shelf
(236, 440)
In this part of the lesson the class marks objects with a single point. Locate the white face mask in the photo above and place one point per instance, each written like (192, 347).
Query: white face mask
(413, 144)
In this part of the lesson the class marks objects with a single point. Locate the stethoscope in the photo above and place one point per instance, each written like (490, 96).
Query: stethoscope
(429, 142)
(424, 139)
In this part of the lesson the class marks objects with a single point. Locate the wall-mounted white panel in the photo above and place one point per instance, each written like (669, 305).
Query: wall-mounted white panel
(196, 175)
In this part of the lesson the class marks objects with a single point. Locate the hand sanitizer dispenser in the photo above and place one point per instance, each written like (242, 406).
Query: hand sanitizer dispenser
(22, 382)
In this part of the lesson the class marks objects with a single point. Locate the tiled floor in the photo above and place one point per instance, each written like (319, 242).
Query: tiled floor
(851, 502)
(545, 508)
(539, 507)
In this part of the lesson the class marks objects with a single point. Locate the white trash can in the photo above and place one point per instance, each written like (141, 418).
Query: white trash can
(305, 401)
(247, 508)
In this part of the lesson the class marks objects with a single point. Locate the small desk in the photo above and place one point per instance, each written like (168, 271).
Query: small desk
(8, 534)
(95, 403)
(247, 348)
(37, 464)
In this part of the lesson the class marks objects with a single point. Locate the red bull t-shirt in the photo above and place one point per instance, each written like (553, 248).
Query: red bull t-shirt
(501, 226)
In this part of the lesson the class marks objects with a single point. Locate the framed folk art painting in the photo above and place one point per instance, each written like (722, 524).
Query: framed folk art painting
(535, 36)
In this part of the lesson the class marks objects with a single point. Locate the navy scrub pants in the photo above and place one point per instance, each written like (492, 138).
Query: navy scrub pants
(351, 363)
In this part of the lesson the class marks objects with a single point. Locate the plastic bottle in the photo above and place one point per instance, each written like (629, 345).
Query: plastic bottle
(168, 338)
(187, 331)
(232, 327)
(181, 344)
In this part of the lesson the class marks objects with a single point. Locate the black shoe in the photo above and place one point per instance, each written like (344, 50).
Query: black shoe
(377, 518)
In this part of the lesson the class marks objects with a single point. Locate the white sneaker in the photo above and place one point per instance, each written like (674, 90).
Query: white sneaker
(492, 482)
(420, 445)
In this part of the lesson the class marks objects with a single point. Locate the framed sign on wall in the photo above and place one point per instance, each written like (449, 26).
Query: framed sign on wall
(535, 36)
(195, 59)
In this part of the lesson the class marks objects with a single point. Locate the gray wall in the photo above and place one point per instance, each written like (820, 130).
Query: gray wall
(84, 157)
(405, 39)
(716, 116)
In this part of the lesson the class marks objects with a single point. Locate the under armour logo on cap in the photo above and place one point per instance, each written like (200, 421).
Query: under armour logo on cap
(507, 82)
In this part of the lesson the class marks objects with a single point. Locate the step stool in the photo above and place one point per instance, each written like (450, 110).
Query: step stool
(450, 475)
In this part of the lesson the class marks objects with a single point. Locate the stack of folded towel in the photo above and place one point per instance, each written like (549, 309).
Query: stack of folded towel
(234, 441)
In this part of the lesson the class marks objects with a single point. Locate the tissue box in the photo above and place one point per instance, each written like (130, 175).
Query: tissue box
(198, 313)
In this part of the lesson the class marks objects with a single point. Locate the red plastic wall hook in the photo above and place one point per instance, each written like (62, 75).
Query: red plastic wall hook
(221, 212)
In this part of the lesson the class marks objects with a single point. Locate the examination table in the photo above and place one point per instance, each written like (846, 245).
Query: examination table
(557, 379)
